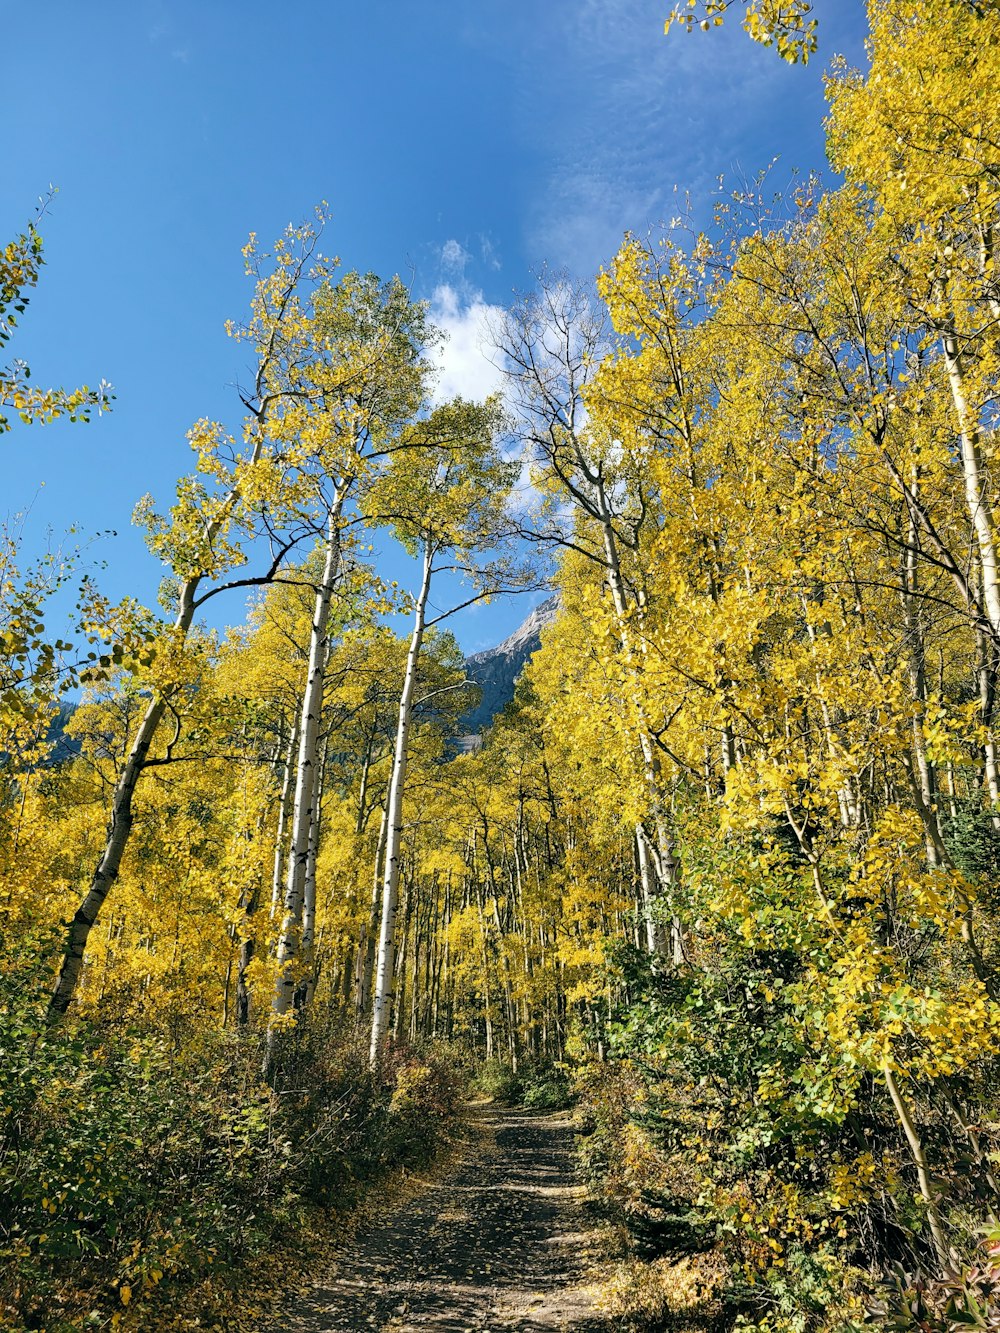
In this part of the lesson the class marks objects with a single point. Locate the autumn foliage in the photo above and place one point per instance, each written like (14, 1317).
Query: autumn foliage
(728, 863)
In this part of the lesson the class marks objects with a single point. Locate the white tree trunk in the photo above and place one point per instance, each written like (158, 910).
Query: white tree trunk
(306, 785)
(307, 987)
(384, 974)
(284, 810)
(977, 488)
(665, 862)
(656, 941)
(905, 1117)
(369, 928)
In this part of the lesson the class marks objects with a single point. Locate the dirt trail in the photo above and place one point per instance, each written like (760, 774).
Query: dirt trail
(500, 1243)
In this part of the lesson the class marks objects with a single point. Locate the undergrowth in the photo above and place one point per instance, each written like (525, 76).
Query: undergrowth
(536, 1085)
(138, 1168)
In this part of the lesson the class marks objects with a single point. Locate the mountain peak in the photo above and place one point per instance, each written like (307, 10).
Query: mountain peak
(495, 670)
(527, 633)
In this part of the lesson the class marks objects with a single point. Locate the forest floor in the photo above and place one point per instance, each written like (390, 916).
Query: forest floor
(502, 1240)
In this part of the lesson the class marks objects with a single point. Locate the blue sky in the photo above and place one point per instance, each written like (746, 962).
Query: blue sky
(460, 145)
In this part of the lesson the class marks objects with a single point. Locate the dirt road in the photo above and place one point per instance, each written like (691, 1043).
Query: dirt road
(500, 1243)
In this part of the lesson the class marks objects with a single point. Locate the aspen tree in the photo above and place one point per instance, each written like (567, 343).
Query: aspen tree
(440, 697)
(265, 666)
(445, 500)
(918, 132)
(201, 543)
(386, 953)
(370, 373)
(307, 792)
(550, 346)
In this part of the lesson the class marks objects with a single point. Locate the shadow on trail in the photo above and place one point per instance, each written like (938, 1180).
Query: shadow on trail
(497, 1245)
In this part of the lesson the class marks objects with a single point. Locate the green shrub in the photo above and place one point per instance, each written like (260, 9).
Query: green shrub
(536, 1085)
(132, 1167)
(548, 1091)
(423, 1103)
(496, 1080)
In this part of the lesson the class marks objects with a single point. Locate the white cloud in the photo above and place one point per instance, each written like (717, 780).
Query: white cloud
(594, 212)
(454, 256)
(489, 255)
(632, 114)
(465, 360)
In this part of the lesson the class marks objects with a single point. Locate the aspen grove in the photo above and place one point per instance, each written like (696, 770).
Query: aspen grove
(725, 872)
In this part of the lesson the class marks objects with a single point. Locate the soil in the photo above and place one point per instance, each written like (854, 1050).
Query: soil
(502, 1241)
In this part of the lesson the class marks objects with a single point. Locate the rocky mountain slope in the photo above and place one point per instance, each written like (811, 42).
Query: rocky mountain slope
(496, 669)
